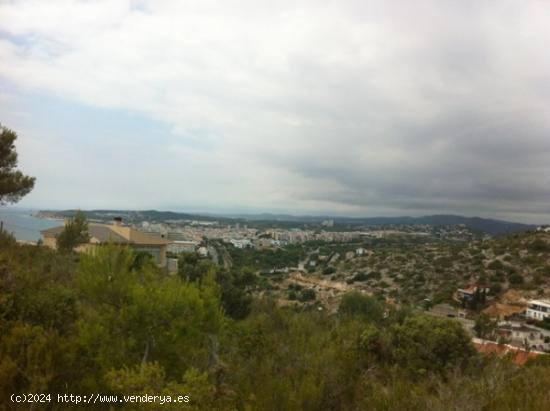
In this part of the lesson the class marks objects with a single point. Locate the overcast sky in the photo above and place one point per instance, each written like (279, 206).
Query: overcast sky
(358, 108)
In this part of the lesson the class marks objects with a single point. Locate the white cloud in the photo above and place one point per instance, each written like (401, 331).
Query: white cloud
(311, 106)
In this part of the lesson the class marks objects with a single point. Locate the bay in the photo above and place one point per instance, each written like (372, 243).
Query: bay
(24, 224)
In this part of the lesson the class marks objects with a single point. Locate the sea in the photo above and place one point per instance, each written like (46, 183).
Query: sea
(24, 224)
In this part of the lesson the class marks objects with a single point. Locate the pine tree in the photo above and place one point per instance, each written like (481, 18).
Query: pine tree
(13, 183)
(74, 233)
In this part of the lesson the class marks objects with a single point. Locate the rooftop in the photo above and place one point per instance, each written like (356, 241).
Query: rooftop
(517, 355)
(540, 302)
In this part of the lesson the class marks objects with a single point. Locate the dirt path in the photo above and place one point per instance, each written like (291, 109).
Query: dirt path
(326, 284)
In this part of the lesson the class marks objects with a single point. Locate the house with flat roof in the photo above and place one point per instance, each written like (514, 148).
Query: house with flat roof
(469, 292)
(521, 335)
(538, 309)
(115, 233)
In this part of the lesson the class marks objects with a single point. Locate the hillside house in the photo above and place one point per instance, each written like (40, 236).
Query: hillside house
(115, 233)
(467, 294)
(521, 335)
(538, 309)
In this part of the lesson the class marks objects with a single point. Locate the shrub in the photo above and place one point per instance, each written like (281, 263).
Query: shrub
(516, 279)
(425, 343)
(495, 265)
(308, 295)
(375, 275)
(539, 246)
(355, 303)
(361, 277)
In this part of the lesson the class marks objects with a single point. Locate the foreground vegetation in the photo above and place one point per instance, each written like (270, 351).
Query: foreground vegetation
(114, 323)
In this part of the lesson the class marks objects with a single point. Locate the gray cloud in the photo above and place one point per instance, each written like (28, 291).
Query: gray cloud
(359, 107)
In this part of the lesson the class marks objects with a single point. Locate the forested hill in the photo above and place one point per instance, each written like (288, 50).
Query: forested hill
(486, 225)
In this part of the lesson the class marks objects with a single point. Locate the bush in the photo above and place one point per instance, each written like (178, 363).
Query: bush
(360, 277)
(375, 275)
(539, 246)
(308, 295)
(495, 288)
(425, 343)
(295, 286)
(495, 265)
(355, 303)
(516, 279)
(6, 239)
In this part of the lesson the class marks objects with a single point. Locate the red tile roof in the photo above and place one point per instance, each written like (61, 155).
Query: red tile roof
(517, 355)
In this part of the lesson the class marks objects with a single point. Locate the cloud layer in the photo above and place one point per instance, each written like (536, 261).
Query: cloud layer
(357, 107)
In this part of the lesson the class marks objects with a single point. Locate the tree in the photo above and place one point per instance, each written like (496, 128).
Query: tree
(515, 279)
(192, 268)
(424, 343)
(355, 303)
(371, 340)
(478, 300)
(74, 233)
(13, 183)
(485, 327)
(134, 317)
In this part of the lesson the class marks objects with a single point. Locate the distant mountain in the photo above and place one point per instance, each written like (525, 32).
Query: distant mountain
(486, 225)
(489, 226)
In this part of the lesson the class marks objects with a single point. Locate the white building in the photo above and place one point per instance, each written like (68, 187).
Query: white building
(177, 247)
(538, 309)
(521, 335)
(241, 243)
